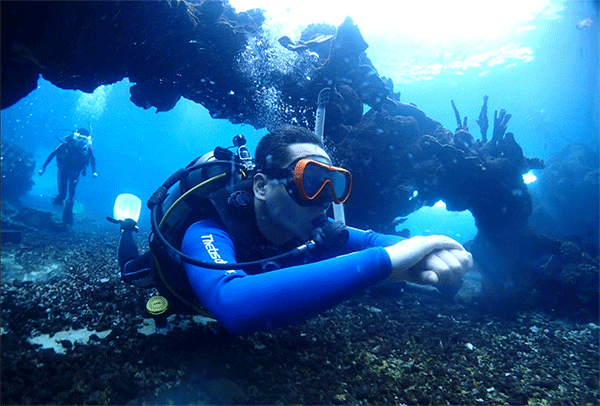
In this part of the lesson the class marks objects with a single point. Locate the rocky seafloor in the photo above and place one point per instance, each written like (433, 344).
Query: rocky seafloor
(392, 348)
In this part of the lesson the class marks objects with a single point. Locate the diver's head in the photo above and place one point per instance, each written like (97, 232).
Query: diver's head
(272, 150)
(296, 183)
(81, 137)
(82, 131)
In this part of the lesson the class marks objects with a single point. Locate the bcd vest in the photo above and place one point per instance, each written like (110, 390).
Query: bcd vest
(234, 207)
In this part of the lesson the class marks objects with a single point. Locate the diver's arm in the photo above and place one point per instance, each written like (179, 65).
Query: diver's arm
(361, 239)
(50, 157)
(434, 259)
(248, 303)
(92, 160)
(127, 248)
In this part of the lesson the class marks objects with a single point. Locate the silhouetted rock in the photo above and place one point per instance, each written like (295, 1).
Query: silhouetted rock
(17, 171)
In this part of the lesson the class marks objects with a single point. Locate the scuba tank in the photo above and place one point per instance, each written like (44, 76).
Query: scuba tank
(180, 202)
(170, 213)
(206, 174)
(181, 199)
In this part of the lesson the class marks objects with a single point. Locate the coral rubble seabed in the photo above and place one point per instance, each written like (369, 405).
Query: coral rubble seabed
(405, 348)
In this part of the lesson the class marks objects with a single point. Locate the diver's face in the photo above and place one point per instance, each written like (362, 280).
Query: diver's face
(297, 220)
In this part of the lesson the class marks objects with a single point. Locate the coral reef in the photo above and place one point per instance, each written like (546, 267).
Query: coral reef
(169, 49)
(218, 58)
(568, 282)
(17, 167)
(525, 270)
(567, 195)
(411, 160)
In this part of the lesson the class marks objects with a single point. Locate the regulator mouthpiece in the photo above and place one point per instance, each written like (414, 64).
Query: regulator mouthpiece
(329, 234)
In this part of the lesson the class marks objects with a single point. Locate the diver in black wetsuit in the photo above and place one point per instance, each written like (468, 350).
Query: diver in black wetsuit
(72, 157)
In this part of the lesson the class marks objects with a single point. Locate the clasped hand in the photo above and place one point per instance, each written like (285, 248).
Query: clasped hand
(434, 259)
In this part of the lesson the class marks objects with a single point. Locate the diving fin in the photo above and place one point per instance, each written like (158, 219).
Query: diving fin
(67, 216)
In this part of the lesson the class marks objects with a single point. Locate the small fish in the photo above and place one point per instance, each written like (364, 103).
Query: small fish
(586, 22)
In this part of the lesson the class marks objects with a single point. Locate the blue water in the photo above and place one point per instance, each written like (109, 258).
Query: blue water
(547, 79)
(135, 149)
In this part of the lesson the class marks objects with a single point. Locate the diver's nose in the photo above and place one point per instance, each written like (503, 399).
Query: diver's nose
(326, 195)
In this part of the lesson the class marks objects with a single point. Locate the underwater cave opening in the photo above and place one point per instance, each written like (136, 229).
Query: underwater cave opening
(436, 219)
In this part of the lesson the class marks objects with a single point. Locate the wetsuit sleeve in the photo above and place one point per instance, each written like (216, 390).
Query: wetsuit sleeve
(360, 239)
(92, 159)
(247, 303)
(51, 156)
(127, 248)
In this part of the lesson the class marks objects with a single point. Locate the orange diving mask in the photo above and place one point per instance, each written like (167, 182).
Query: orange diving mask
(309, 181)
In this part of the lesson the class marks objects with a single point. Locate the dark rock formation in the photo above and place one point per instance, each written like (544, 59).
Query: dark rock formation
(17, 171)
(169, 49)
(16, 219)
(202, 51)
(568, 282)
(567, 195)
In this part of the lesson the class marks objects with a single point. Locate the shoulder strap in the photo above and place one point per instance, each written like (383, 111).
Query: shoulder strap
(235, 207)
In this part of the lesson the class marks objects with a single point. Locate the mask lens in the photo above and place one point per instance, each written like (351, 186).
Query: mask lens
(315, 176)
(313, 179)
(340, 184)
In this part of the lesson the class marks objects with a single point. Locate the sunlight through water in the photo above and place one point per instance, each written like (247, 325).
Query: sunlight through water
(459, 35)
(458, 19)
(93, 105)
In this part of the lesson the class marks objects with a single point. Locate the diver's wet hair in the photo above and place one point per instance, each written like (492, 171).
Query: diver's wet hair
(83, 131)
(272, 153)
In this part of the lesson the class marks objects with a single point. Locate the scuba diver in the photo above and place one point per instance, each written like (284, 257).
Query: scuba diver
(256, 249)
(72, 157)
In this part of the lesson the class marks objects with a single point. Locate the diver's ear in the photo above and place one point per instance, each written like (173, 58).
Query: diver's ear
(260, 186)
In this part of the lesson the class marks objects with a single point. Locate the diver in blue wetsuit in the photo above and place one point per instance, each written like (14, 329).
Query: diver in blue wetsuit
(282, 206)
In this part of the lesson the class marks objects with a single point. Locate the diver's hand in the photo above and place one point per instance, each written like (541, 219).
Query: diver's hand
(128, 225)
(442, 267)
(417, 250)
(41, 172)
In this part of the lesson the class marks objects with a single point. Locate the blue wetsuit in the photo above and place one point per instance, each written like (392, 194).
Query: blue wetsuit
(246, 303)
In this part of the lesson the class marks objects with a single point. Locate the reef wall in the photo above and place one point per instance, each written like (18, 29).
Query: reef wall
(210, 54)
(169, 49)
(17, 171)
